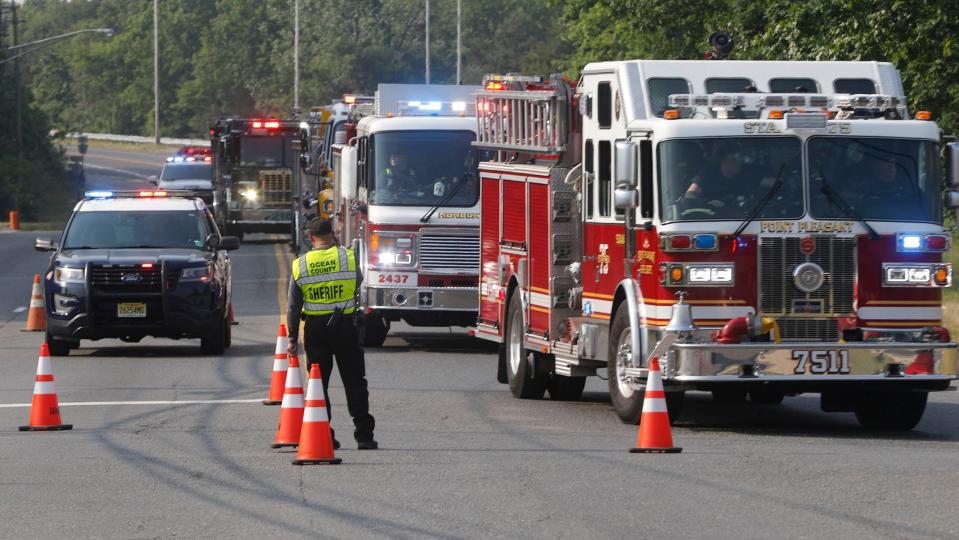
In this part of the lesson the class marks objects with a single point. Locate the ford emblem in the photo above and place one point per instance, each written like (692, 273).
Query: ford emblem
(131, 278)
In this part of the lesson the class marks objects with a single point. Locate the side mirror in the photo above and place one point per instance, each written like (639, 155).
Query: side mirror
(625, 164)
(153, 180)
(45, 244)
(952, 163)
(229, 243)
(625, 197)
(952, 201)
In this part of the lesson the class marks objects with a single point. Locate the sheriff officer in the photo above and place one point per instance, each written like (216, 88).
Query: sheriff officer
(323, 292)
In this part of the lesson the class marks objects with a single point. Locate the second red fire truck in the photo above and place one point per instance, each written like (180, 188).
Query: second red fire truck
(765, 229)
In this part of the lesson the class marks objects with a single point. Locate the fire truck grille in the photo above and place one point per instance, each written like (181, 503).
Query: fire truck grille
(449, 253)
(277, 186)
(778, 294)
(809, 329)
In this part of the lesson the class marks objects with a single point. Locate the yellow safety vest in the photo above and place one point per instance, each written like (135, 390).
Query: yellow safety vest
(327, 278)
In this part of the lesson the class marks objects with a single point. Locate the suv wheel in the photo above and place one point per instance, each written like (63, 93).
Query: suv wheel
(215, 342)
(58, 347)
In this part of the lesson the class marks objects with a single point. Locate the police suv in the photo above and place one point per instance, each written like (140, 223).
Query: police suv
(136, 264)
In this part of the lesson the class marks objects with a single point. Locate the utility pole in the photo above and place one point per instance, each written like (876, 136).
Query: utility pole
(427, 41)
(18, 122)
(296, 56)
(156, 72)
(459, 42)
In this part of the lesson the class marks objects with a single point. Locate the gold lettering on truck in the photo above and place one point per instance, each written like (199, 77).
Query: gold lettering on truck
(805, 227)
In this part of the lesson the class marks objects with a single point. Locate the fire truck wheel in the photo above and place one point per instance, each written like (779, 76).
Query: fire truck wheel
(895, 411)
(626, 400)
(562, 388)
(501, 365)
(375, 330)
(524, 383)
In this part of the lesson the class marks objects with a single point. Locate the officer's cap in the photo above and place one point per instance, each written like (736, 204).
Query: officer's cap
(320, 226)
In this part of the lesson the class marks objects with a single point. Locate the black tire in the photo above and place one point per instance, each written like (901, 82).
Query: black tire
(228, 335)
(58, 347)
(766, 396)
(562, 388)
(375, 330)
(892, 411)
(729, 396)
(628, 403)
(215, 342)
(523, 382)
(501, 364)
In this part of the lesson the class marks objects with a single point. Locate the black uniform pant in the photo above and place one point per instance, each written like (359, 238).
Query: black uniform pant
(322, 343)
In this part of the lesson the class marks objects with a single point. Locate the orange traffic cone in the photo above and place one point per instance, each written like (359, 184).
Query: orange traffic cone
(44, 410)
(655, 436)
(36, 316)
(316, 441)
(280, 360)
(291, 410)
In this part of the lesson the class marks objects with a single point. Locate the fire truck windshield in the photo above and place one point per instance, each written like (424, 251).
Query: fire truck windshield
(725, 178)
(418, 168)
(261, 151)
(878, 178)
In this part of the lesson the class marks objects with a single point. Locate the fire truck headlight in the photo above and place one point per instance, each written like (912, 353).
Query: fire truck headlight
(392, 250)
(250, 195)
(387, 257)
(917, 275)
(710, 274)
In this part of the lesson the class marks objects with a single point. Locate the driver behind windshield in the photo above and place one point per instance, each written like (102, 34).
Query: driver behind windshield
(724, 180)
(399, 175)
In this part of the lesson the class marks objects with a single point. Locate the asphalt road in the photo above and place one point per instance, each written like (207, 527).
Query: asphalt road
(459, 456)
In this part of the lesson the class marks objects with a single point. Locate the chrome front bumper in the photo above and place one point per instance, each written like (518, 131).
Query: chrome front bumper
(806, 362)
(422, 298)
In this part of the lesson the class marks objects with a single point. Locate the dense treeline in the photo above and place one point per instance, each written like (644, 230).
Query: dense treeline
(235, 56)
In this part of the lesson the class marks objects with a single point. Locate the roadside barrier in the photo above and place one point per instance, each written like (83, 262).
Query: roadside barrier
(36, 316)
(280, 361)
(655, 435)
(45, 409)
(291, 410)
(316, 440)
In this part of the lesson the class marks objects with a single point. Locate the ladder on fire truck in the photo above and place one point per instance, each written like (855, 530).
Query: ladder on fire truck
(523, 114)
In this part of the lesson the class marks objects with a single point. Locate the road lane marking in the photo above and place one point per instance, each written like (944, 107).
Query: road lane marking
(158, 163)
(110, 403)
(112, 169)
(20, 309)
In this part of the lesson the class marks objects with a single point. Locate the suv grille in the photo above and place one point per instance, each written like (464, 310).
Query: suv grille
(450, 252)
(778, 294)
(110, 278)
(277, 186)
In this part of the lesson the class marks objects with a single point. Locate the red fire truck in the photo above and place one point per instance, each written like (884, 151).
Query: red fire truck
(765, 229)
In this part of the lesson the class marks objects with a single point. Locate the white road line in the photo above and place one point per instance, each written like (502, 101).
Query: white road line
(175, 402)
(112, 169)
(20, 309)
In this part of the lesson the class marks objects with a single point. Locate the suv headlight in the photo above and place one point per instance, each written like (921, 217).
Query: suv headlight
(63, 274)
(916, 275)
(198, 273)
(394, 251)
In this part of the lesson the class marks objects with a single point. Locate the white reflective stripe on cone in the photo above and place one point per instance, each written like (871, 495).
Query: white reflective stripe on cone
(292, 401)
(654, 381)
(315, 414)
(314, 391)
(36, 302)
(655, 405)
(293, 378)
(281, 364)
(44, 366)
(43, 387)
(281, 344)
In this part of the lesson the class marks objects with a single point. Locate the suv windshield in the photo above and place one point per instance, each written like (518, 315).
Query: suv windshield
(879, 178)
(419, 168)
(136, 229)
(725, 178)
(186, 171)
(263, 151)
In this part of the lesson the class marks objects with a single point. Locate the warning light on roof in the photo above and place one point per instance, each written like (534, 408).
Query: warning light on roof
(257, 124)
(349, 99)
(494, 85)
(271, 125)
(146, 266)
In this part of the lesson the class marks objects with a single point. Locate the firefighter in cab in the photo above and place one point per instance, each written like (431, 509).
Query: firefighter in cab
(323, 290)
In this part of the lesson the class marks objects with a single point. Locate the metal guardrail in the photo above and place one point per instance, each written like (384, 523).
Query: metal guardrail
(136, 139)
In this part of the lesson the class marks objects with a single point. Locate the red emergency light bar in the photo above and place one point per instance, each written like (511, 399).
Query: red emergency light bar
(495, 85)
(152, 194)
(268, 124)
(146, 266)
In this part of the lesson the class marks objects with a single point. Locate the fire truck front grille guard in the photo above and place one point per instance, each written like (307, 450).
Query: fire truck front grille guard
(277, 186)
(449, 252)
(805, 315)
(530, 121)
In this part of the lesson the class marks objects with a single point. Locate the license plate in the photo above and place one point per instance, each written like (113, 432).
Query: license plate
(821, 362)
(131, 310)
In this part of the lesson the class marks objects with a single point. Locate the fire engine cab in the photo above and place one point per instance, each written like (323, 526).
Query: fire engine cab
(408, 202)
(765, 229)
